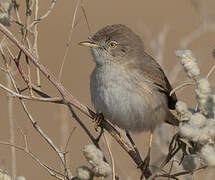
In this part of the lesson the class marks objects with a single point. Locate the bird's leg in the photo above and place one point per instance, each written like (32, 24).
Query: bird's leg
(147, 158)
(146, 161)
(97, 120)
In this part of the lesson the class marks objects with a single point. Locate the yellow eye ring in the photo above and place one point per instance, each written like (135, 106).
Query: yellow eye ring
(112, 44)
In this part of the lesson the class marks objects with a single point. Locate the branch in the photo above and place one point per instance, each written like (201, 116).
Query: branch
(51, 171)
(70, 100)
(53, 100)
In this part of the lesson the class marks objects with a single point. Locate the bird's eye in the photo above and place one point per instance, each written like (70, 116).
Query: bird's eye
(112, 44)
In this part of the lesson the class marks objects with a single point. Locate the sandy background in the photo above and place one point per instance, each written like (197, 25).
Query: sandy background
(174, 21)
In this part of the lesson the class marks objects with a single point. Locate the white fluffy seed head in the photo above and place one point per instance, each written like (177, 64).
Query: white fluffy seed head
(103, 169)
(84, 173)
(203, 88)
(93, 155)
(208, 154)
(189, 63)
(204, 99)
(204, 135)
(4, 175)
(197, 120)
(181, 107)
(189, 132)
(182, 110)
(210, 123)
(20, 178)
(208, 133)
(5, 12)
(192, 162)
(211, 132)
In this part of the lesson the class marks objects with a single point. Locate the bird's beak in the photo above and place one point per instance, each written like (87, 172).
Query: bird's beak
(88, 44)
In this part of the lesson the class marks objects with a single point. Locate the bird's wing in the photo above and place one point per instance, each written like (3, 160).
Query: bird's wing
(151, 70)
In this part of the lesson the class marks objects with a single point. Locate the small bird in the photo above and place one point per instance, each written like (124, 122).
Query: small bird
(127, 85)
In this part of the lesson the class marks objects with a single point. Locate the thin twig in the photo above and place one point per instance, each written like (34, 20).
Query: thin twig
(174, 176)
(35, 38)
(69, 138)
(51, 7)
(206, 26)
(37, 127)
(181, 86)
(85, 16)
(10, 116)
(158, 44)
(210, 72)
(111, 156)
(14, 94)
(69, 40)
(28, 13)
(51, 171)
(70, 100)
(34, 87)
(11, 121)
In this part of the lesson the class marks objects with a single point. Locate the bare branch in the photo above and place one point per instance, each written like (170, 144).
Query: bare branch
(70, 100)
(53, 100)
(51, 171)
(53, 2)
(69, 40)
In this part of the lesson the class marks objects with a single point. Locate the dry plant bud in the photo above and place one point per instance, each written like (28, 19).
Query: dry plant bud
(203, 88)
(198, 129)
(189, 63)
(203, 92)
(197, 126)
(189, 132)
(4, 175)
(20, 178)
(103, 169)
(93, 155)
(197, 120)
(5, 12)
(208, 154)
(84, 173)
(183, 111)
(192, 162)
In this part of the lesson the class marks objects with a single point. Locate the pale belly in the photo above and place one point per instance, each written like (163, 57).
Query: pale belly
(123, 103)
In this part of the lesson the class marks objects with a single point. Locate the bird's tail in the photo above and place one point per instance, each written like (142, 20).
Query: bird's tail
(172, 119)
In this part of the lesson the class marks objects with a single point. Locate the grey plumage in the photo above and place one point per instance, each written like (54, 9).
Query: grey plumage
(127, 85)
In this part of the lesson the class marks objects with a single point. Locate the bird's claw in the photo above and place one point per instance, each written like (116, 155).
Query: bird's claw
(97, 120)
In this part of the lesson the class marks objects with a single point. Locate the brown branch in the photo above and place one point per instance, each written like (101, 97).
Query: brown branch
(69, 40)
(70, 100)
(37, 127)
(53, 2)
(51, 171)
(23, 75)
(53, 100)
(174, 176)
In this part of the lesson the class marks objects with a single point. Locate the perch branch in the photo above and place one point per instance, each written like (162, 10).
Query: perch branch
(70, 100)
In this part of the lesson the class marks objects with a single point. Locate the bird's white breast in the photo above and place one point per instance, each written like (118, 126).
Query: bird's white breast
(114, 93)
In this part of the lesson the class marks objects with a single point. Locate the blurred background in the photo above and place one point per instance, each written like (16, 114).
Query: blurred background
(164, 26)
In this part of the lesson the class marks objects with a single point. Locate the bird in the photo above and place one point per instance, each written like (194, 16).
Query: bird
(127, 85)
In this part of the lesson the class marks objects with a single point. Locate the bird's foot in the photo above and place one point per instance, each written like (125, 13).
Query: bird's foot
(100, 134)
(97, 120)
